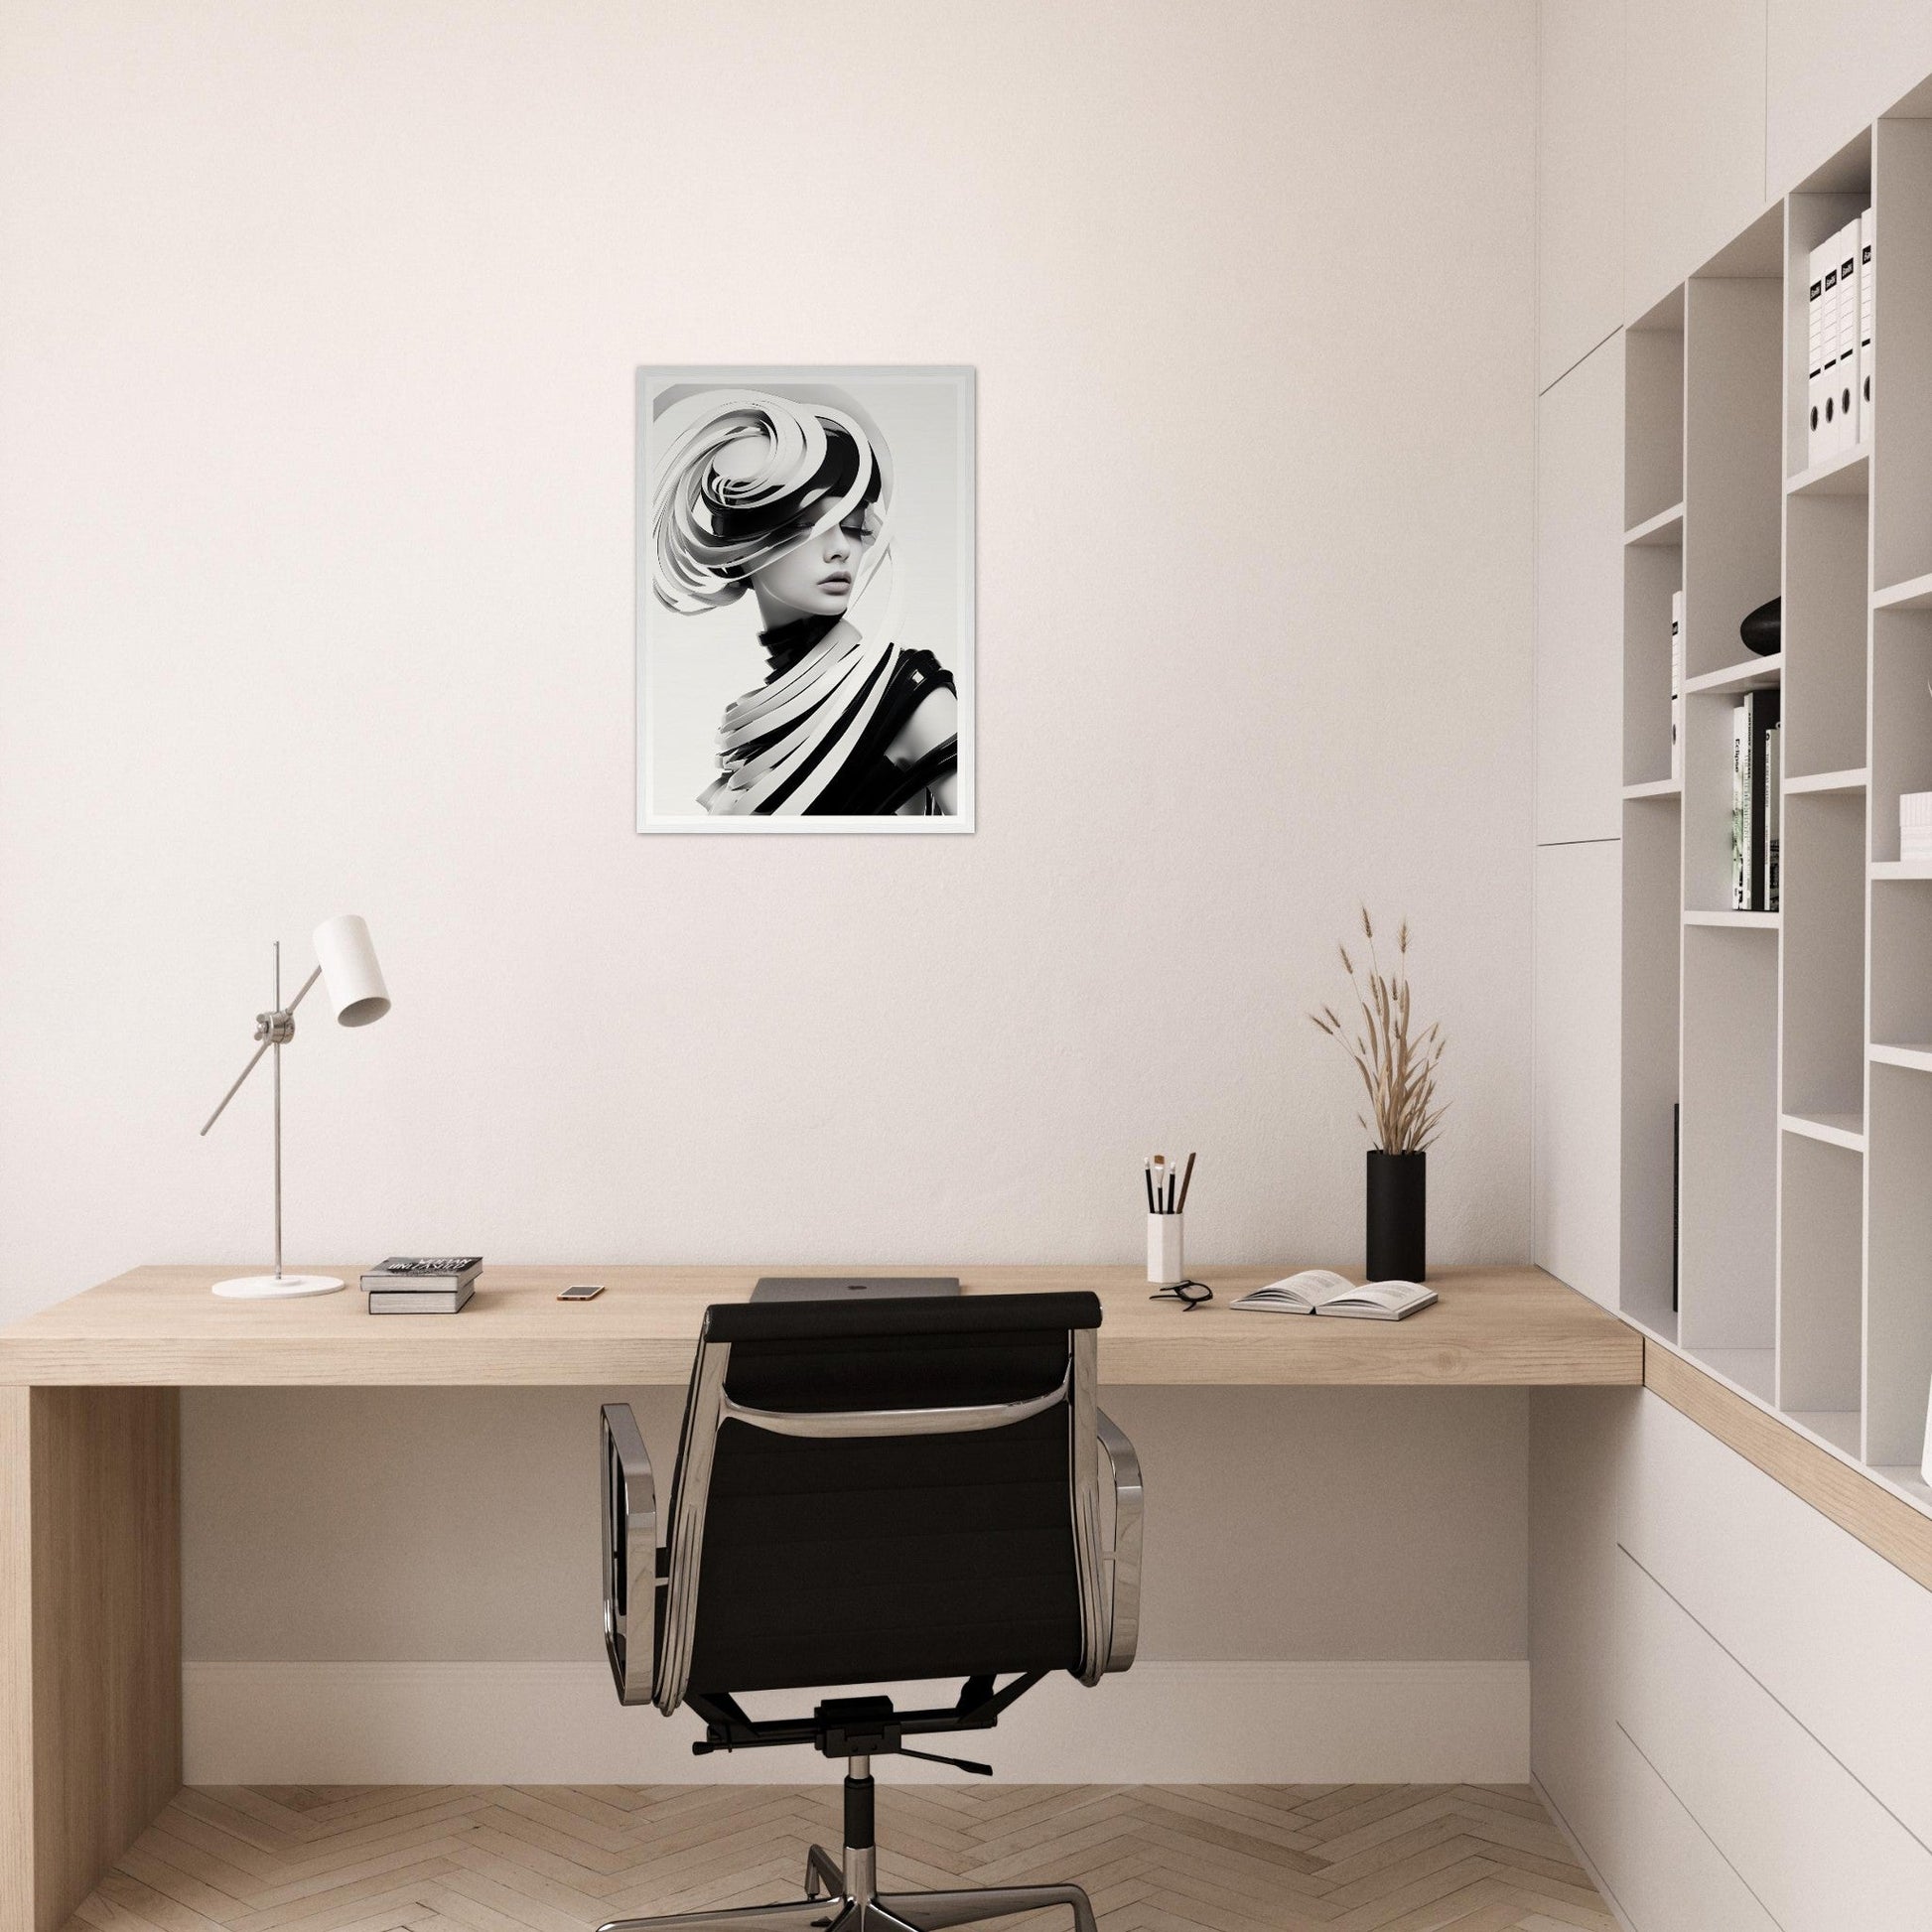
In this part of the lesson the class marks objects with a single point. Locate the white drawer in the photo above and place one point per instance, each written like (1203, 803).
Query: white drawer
(1665, 1873)
(1837, 1636)
(1813, 1845)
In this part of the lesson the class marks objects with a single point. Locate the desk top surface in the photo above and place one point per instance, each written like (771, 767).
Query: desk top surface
(160, 1327)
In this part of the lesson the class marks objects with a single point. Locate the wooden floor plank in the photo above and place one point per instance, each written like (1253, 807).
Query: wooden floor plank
(567, 1858)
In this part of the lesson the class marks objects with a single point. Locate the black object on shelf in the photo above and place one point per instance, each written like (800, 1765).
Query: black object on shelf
(1763, 630)
(1676, 1193)
(1398, 1216)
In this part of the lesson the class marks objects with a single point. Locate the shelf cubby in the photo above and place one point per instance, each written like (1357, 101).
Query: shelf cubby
(1899, 1291)
(1901, 401)
(1821, 1240)
(1729, 1221)
(1901, 963)
(1822, 917)
(1651, 574)
(1824, 614)
(1902, 719)
(1653, 414)
(1734, 475)
(1836, 193)
(1652, 853)
(1707, 730)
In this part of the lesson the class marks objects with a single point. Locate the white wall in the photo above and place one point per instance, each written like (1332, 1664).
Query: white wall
(316, 498)
(315, 472)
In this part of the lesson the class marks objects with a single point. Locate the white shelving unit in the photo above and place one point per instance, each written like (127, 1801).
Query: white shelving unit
(1797, 1043)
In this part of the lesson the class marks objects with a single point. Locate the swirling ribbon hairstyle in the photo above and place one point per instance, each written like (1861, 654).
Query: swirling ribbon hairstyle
(736, 476)
(735, 469)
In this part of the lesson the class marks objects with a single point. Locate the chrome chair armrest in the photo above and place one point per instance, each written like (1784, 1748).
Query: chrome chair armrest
(1124, 1558)
(629, 1555)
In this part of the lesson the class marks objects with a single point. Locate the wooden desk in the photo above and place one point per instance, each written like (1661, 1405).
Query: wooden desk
(89, 1461)
(160, 1326)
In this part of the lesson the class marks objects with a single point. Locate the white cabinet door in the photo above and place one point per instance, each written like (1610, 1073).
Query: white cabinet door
(1693, 137)
(1579, 753)
(1574, 1110)
(1580, 180)
(1833, 68)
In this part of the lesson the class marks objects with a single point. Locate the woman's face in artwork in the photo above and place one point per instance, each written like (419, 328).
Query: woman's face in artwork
(814, 579)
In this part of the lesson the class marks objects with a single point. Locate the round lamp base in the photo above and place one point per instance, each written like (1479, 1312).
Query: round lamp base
(272, 1287)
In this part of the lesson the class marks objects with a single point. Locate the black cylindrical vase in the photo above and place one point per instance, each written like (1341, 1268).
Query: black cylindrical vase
(1398, 1216)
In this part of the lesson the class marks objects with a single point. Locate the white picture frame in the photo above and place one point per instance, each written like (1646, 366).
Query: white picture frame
(911, 599)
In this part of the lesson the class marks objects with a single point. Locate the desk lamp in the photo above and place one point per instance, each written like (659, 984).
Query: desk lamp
(352, 981)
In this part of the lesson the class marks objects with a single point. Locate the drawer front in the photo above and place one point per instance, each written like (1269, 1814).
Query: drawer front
(1666, 1874)
(1834, 1632)
(1812, 1844)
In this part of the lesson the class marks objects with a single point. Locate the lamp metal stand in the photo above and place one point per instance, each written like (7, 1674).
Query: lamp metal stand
(273, 1030)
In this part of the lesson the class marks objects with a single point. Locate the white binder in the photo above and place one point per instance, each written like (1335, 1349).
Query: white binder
(1827, 421)
(1867, 298)
(1815, 357)
(1847, 391)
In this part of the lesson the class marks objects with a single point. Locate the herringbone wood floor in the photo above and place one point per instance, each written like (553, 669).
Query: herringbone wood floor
(558, 1858)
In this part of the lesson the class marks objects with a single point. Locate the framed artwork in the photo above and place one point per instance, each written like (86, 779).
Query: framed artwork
(805, 600)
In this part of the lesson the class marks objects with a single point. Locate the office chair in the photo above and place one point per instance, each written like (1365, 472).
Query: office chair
(869, 1495)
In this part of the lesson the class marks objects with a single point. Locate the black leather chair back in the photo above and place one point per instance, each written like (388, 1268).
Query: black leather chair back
(944, 1546)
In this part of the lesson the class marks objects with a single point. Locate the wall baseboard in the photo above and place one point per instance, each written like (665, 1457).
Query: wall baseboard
(561, 1723)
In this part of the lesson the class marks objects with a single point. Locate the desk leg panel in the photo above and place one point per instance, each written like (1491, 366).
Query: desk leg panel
(90, 1637)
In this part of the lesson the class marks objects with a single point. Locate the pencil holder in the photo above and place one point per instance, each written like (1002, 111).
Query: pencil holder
(1164, 1264)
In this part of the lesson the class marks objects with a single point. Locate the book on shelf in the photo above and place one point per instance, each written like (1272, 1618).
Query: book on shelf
(1676, 686)
(1773, 808)
(420, 1301)
(1752, 816)
(1321, 1291)
(1740, 810)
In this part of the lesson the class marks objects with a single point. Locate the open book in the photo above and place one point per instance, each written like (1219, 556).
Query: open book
(1319, 1290)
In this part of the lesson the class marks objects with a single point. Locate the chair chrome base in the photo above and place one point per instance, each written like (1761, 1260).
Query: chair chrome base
(842, 1899)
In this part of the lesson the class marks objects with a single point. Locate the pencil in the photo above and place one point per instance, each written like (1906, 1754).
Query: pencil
(1186, 1181)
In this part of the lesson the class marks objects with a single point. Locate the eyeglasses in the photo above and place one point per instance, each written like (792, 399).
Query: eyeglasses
(1190, 1295)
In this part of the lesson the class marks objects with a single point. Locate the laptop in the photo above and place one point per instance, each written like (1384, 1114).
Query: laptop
(849, 1288)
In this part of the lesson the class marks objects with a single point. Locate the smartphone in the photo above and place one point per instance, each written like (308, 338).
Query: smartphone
(582, 1292)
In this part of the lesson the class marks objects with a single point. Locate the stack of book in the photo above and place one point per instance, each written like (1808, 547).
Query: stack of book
(1755, 803)
(421, 1284)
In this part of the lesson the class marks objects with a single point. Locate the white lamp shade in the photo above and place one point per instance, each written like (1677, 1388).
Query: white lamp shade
(350, 975)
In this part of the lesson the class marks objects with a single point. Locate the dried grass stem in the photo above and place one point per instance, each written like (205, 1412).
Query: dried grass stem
(1398, 1064)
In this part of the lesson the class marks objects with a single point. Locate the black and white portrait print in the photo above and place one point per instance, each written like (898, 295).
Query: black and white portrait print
(805, 600)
